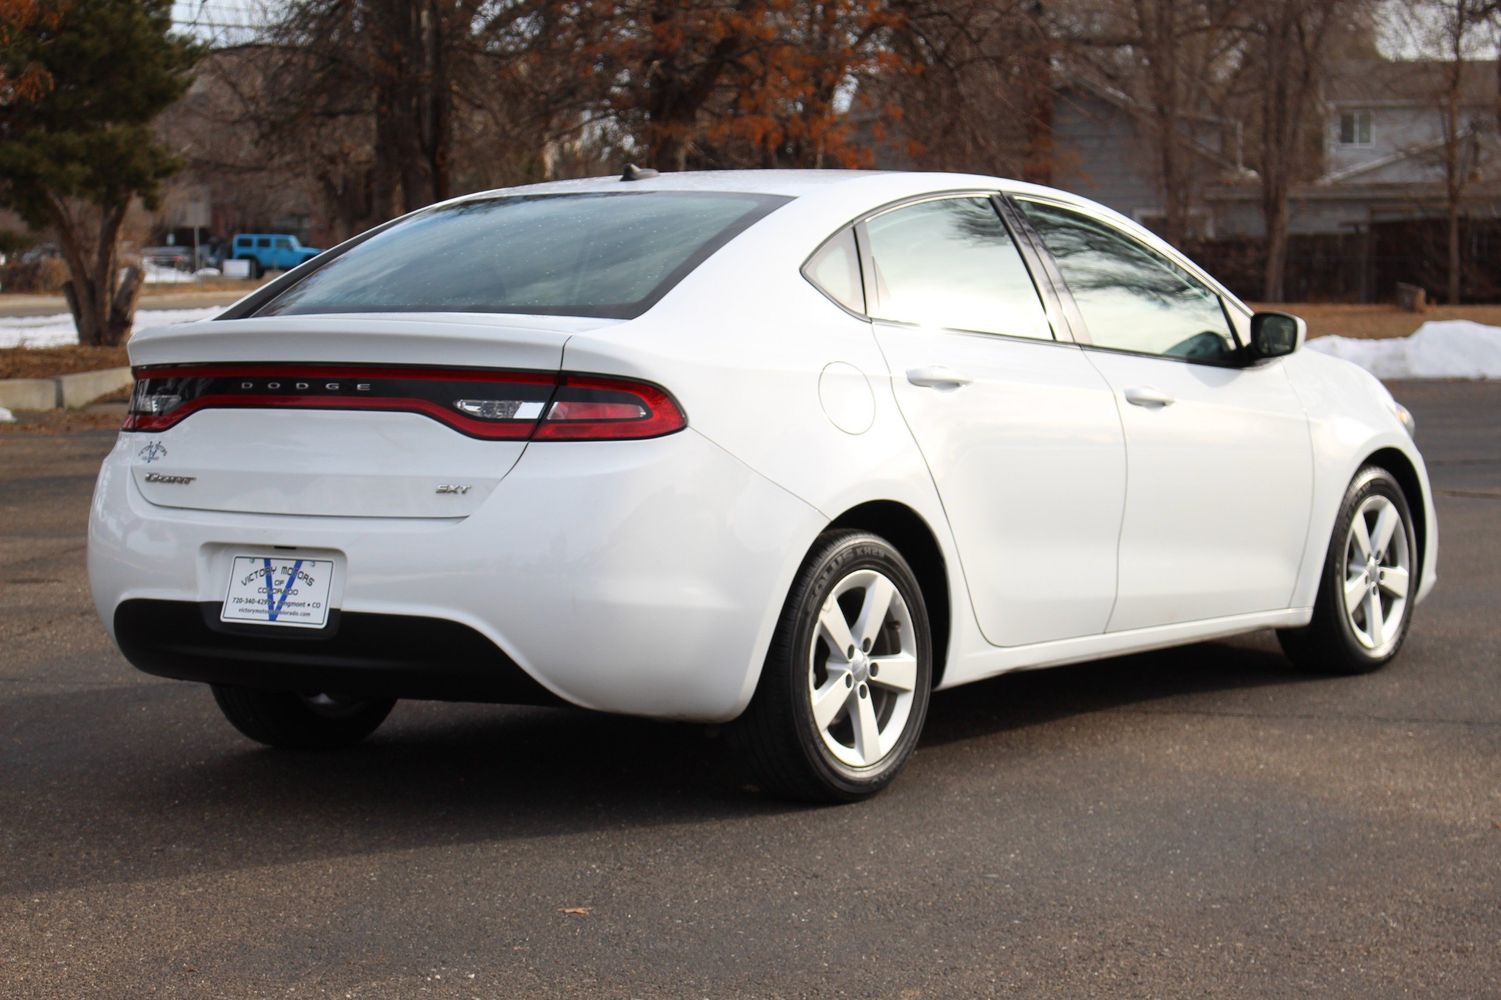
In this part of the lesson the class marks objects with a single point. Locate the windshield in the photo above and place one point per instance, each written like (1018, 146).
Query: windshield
(610, 255)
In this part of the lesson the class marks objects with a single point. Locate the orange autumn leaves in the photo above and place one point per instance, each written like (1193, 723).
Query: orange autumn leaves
(766, 83)
(27, 81)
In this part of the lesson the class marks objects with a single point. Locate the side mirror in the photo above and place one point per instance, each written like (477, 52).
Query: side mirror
(1274, 334)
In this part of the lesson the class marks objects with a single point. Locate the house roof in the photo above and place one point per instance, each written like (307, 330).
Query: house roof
(1376, 82)
(1084, 85)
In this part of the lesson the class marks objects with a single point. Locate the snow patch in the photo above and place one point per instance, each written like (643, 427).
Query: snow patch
(58, 331)
(1451, 348)
(6, 417)
(155, 274)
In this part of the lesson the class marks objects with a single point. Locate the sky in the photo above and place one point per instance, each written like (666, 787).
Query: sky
(221, 21)
(224, 21)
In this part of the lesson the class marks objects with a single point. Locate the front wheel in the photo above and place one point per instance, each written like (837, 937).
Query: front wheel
(301, 721)
(844, 691)
(1364, 601)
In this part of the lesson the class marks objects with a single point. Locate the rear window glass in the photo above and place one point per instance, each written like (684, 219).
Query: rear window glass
(609, 255)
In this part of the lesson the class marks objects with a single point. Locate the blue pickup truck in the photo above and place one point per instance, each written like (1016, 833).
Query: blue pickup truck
(270, 252)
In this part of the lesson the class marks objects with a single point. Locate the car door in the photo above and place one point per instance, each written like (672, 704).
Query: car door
(1019, 431)
(1218, 454)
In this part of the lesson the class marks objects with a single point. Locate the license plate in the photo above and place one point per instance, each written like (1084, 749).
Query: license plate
(277, 590)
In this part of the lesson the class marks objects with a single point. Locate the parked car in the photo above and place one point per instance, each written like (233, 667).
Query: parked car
(784, 449)
(39, 252)
(168, 257)
(270, 251)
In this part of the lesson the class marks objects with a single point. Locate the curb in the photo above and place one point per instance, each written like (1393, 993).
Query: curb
(62, 392)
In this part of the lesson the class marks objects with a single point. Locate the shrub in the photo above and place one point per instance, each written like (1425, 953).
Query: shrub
(48, 274)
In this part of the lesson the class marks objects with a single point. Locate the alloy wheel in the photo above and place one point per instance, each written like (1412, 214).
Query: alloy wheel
(862, 668)
(1378, 571)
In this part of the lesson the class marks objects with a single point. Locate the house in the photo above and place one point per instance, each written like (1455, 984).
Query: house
(1105, 149)
(1383, 151)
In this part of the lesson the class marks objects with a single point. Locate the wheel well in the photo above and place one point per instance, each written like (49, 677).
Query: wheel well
(1402, 471)
(910, 534)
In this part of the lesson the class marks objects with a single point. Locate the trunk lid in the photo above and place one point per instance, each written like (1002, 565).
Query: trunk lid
(353, 416)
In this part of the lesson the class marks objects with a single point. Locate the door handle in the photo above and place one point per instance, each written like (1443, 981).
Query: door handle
(936, 377)
(1149, 396)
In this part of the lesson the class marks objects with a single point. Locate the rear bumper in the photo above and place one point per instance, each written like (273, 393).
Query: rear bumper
(371, 656)
(641, 577)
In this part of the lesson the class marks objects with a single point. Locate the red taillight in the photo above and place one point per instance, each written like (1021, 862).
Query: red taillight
(605, 409)
(483, 403)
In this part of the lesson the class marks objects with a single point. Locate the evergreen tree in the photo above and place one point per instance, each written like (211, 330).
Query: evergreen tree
(75, 155)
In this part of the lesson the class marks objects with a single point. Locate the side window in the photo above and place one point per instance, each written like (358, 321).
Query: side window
(835, 270)
(264, 241)
(1132, 299)
(283, 244)
(951, 263)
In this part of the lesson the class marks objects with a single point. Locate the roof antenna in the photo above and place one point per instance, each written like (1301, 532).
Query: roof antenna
(635, 173)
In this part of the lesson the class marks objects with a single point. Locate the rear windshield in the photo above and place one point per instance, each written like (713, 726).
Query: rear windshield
(610, 255)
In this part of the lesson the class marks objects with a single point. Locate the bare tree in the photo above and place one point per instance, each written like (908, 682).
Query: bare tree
(1170, 57)
(972, 86)
(389, 61)
(1456, 26)
(376, 107)
(1285, 59)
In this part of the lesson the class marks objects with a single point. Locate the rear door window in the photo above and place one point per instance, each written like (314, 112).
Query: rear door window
(609, 255)
(952, 263)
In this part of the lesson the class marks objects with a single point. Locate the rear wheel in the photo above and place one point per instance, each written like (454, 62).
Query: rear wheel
(844, 692)
(301, 722)
(1364, 602)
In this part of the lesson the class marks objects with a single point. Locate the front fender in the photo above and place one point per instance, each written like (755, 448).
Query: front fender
(1351, 418)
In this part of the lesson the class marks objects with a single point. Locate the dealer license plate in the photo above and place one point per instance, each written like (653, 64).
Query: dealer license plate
(277, 590)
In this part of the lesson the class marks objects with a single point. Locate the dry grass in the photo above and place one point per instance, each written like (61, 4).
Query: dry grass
(1378, 322)
(222, 287)
(44, 362)
(243, 286)
(102, 415)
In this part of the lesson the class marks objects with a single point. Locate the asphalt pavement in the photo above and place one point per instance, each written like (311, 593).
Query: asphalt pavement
(1203, 822)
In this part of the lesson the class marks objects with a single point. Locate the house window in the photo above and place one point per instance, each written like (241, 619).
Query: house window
(1355, 128)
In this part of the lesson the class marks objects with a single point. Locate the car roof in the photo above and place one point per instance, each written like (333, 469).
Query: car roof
(867, 187)
(825, 199)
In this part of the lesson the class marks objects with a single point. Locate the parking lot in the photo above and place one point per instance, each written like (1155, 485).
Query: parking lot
(1199, 822)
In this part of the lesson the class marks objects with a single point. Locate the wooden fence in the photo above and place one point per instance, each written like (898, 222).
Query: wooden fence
(1365, 266)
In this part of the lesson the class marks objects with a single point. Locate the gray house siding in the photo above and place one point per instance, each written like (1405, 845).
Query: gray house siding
(1100, 154)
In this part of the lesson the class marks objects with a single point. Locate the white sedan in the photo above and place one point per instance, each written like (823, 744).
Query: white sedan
(793, 449)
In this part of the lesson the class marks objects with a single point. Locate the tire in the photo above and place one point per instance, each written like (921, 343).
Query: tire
(872, 700)
(300, 722)
(255, 267)
(1364, 603)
